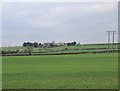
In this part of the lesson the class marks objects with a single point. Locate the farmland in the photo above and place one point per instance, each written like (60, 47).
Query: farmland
(79, 71)
(88, 48)
(67, 45)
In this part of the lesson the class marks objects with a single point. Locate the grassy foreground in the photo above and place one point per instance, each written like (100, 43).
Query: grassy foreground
(82, 71)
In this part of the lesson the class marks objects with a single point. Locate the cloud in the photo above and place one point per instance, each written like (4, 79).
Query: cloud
(102, 7)
(83, 22)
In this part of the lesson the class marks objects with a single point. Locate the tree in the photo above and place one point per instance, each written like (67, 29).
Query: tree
(68, 44)
(35, 44)
(71, 43)
(40, 44)
(74, 43)
(24, 44)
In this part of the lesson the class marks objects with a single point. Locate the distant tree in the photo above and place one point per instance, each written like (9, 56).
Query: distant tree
(35, 44)
(29, 44)
(71, 43)
(40, 44)
(24, 44)
(78, 44)
(74, 43)
(68, 44)
(51, 45)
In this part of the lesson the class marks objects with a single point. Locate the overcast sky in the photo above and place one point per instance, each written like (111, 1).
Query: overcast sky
(62, 22)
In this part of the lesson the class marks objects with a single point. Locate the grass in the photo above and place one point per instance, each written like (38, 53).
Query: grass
(82, 71)
(61, 48)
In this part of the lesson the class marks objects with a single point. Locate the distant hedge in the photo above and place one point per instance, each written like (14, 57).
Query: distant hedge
(33, 54)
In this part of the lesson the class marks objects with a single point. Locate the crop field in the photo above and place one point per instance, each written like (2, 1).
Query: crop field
(79, 71)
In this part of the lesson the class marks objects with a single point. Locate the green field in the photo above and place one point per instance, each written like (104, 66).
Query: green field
(79, 71)
(13, 48)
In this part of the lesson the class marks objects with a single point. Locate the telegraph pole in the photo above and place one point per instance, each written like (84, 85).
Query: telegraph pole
(113, 38)
(108, 40)
(109, 32)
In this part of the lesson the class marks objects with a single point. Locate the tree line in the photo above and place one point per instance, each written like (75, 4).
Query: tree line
(49, 44)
